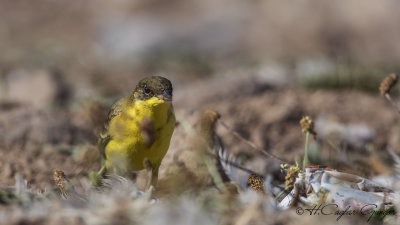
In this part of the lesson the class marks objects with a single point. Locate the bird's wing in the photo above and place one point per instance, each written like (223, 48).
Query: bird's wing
(104, 136)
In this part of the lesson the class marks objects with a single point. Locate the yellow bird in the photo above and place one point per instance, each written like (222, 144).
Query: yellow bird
(138, 129)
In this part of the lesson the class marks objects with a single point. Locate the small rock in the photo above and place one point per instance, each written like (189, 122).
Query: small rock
(37, 88)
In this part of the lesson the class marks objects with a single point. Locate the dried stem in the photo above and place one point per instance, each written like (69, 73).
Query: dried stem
(306, 161)
(251, 144)
(238, 166)
(390, 100)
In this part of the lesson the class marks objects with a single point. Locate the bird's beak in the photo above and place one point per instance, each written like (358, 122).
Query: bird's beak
(166, 96)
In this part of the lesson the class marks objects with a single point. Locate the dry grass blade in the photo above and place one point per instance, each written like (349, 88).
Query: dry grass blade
(251, 144)
(228, 161)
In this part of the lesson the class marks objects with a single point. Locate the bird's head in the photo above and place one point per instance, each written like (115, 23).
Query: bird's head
(155, 86)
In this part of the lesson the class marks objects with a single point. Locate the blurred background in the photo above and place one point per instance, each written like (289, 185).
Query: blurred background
(262, 64)
(104, 47)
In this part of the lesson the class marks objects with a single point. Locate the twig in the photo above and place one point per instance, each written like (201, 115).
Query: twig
(251, 144)
(237, 165)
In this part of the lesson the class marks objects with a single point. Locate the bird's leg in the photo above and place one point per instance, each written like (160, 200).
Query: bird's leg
(154, 176)
(149, 169)
(102, 170)
(96, 178)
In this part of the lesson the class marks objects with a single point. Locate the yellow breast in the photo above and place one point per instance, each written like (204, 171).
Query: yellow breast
(142, 130)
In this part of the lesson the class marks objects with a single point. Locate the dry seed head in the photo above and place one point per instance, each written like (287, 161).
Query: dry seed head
(388, 83)
(307, 125)
(291, 176)
(60, 179)
(257, 183)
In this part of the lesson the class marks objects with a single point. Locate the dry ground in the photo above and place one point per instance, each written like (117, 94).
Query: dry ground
(35, 142)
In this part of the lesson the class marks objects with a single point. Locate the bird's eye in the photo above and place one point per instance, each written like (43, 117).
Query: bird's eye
(147, 90)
